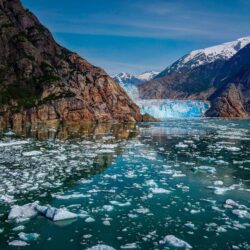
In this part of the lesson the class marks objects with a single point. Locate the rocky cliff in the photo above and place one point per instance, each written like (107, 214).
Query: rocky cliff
(232, 99)
(42, 81)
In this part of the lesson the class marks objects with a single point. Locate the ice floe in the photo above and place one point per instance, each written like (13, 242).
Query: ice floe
(241, 213)
(18, 243)
(101, 247)
(20, 213)
(32, 153)
(176, 242)
(28, 236)
(24, 212)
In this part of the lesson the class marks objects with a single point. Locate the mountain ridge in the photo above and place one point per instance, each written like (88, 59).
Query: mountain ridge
(41, 81)
(127, 78)
(188, 81)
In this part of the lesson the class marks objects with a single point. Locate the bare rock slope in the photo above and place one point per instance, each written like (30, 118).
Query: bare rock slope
(41, 81)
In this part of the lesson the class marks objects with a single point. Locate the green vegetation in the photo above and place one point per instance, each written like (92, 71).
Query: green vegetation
(20, 37)
(6, 25)
(40, 28)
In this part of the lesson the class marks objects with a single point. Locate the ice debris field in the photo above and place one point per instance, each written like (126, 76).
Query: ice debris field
(181, 184)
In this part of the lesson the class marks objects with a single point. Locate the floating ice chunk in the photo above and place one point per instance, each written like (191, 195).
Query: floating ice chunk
(181, 145)
(208, 169)
(28, 237)
(232, 149)
(18, 228)
(151, 183)
(241, 213)
(70, 196)
(18, 243)
(231, 203)
(9, 133)
(222, 190)
(41, 209)
(218, 183)
(90, 220)
(106, 223)
(178, 174)
(101, 247)
(108, 208)
(119, 204)
(7, 198)
(175, 242)
(142, 210)
(190, 225)
(193, 211)
(23, 212)
(13, 143)
(32, 153)
(56, 214)
(221, 229)
(129, 246)
(159, 191)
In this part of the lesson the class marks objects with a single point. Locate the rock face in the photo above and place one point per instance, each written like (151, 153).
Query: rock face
(42, 81)
(219, 74)
(232, 99)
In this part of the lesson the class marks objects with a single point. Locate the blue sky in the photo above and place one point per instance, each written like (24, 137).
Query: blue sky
(139, 35)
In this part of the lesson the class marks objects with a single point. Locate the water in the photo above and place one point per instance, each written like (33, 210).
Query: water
(131, 185)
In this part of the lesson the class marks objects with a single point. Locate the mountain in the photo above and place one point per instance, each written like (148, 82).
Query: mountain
(232, 99)
(197, 58)
(127, 78)
(193, 76)
(41, 81)
(148, 75)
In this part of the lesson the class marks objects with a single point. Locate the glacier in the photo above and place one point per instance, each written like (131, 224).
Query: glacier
(167, 108)
(163, 109)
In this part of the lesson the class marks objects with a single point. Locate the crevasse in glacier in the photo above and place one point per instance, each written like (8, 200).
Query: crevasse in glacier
(166, 108)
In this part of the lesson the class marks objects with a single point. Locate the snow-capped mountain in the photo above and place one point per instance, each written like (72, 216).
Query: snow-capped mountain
(147, 76)
(196, 75)
(127, 78)
(205, 56)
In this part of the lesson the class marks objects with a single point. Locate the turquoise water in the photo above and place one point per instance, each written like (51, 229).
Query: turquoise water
(130, 185)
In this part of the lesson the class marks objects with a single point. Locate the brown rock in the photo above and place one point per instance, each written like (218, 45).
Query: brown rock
(42, 81)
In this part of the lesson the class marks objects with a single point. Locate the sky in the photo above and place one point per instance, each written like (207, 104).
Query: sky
(139, 35)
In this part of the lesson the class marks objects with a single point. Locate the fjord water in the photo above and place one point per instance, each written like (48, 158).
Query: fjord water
(131, 185)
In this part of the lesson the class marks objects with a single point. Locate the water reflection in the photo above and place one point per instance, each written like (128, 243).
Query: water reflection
(75, 130)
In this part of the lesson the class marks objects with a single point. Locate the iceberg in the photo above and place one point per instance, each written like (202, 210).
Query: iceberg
(18, 243)
(30, 210)
(55, 214)
(101, 247)
(23, 212)
(29, 236)
(175, 242)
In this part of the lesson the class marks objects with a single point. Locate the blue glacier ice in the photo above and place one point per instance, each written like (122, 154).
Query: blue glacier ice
(166, 108)
(163, 109)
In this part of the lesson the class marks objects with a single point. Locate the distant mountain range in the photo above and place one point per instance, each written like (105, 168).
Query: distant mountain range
(127, 78)
(207, 74)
